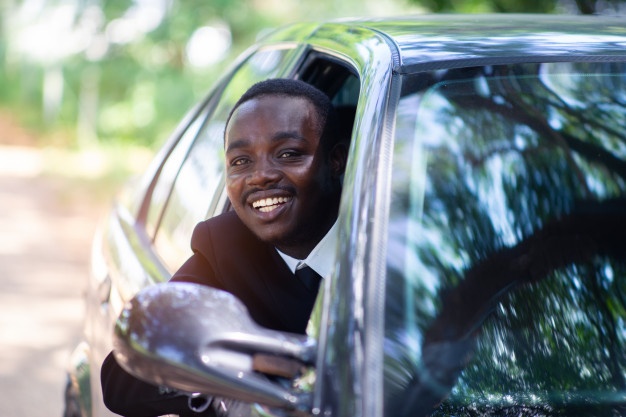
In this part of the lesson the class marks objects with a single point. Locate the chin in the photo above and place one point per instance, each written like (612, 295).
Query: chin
(270, 235)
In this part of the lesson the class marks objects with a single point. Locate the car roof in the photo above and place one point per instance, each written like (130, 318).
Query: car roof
(430, 40)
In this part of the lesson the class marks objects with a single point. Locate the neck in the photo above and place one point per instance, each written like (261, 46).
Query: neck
(304, 247)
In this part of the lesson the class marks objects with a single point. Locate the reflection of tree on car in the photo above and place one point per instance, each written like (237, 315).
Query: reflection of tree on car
(591, 235)
(586, 120)
(514, 243)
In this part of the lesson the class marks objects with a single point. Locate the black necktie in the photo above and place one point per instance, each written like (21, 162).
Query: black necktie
(309, 277)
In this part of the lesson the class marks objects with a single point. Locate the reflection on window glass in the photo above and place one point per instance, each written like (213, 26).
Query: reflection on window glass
(200, 178)
(506, 269)
(169, 171)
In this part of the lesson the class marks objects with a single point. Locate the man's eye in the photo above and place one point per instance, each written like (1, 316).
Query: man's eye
(239, 162)
(288, 154)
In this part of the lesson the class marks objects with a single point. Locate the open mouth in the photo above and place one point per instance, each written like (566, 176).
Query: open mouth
(266, 205)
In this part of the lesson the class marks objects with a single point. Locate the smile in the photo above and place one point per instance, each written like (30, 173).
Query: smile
(268, 204)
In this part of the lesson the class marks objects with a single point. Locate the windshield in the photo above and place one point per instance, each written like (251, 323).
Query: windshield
(506, 265)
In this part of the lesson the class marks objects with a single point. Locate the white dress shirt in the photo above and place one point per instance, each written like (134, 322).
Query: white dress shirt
(321, 258)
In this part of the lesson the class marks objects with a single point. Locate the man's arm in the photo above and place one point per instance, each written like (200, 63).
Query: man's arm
(128, 396)
(131, 397)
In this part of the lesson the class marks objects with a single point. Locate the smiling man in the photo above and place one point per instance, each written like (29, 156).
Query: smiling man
(284, 162)
(283, 185)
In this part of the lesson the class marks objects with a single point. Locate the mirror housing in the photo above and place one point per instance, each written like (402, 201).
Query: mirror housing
(195, 338)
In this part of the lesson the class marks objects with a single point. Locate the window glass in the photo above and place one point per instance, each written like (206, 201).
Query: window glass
(168, 173)
(201, 175)
(506, 264)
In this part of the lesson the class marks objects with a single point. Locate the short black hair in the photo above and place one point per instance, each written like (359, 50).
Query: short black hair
(326, 117)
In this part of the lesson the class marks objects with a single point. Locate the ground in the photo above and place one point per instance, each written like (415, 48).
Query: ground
(50, 203)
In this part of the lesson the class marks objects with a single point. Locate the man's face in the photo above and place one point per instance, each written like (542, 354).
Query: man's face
(279, 181)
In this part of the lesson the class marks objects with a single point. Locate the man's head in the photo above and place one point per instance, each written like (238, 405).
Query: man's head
(284, 163)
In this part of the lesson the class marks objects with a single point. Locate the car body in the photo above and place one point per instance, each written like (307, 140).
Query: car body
(481, 262)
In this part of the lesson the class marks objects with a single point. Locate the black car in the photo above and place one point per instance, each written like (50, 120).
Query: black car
(481, 268)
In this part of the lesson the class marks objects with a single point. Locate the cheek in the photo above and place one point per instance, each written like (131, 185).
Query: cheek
(320, 178)
(233, 190)
(310, 176)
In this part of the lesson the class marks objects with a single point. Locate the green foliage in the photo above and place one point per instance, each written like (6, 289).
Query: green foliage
(113, 9)
(135, 89)
(126, 86)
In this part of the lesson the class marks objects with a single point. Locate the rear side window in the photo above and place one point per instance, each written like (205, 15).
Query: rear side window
(506, 266)
(169, 171)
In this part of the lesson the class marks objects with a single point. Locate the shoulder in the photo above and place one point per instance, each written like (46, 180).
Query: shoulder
(222, 222)
(226, 230)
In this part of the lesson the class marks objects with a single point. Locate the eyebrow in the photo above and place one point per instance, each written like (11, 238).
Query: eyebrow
(242, 143)
(236, 144)
(288, 135)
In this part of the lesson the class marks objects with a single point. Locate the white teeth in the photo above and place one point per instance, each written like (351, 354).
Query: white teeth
(269, 204)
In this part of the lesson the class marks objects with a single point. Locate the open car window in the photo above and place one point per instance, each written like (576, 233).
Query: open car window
(339, 81)
(193, 188)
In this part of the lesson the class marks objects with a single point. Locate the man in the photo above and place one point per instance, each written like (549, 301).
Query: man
(284, 163)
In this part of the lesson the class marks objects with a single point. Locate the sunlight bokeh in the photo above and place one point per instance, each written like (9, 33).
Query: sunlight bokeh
(125, 72)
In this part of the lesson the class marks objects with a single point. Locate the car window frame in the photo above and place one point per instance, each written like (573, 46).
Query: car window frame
(356, 284)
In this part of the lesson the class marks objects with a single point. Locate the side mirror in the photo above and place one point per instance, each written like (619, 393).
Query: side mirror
(199, 339)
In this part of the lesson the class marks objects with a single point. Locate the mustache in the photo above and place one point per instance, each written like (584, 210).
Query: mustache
(285, 188)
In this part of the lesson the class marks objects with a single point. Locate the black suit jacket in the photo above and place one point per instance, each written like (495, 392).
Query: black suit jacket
(226, 255)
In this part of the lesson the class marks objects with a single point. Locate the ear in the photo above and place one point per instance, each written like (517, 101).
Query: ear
(338, 158)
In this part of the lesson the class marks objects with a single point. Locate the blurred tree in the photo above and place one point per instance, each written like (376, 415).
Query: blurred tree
(126, 70)
(521, 6)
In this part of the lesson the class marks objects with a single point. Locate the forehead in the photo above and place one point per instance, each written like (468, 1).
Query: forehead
(273, 106)
(274, 112)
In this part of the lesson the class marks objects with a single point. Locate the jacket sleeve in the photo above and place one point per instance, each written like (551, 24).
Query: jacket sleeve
(199, 268)
(131, 397)
(128, 396)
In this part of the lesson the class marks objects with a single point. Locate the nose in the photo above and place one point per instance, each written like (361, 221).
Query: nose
(264, 173)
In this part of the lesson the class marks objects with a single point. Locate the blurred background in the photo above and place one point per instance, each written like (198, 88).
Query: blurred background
(89, 89)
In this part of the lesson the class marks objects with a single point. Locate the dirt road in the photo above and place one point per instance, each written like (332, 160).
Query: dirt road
(46, 226)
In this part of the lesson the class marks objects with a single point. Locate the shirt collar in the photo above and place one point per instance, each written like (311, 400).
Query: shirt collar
(320, 259)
